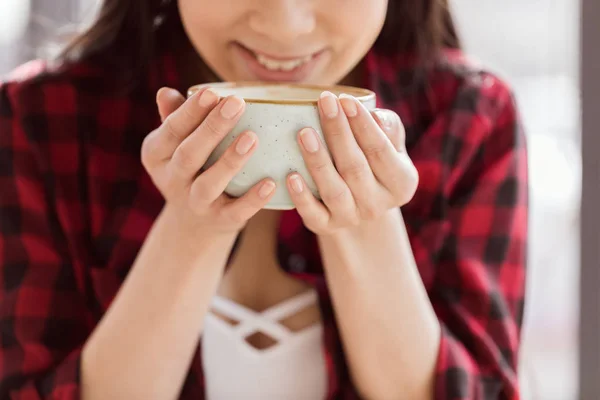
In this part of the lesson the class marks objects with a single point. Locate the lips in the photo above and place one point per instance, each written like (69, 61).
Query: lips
(281, 65)
(268, 67)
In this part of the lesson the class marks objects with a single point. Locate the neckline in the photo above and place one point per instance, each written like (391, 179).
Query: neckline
(309, 297)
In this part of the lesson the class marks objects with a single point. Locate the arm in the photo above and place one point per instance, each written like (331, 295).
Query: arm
(45, 351)
(462, 342)
(42, 314)
(143, 345)
(389, 330)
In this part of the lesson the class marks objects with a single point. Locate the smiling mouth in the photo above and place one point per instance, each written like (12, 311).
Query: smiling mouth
(277, 65)
(280, 64)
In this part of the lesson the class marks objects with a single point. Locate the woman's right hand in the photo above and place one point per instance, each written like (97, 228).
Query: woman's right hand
(175, 152)
(183, 256)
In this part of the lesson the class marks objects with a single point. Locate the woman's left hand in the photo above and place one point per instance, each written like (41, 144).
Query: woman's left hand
(367, 174)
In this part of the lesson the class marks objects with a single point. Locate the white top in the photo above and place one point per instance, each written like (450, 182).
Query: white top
(293, 368)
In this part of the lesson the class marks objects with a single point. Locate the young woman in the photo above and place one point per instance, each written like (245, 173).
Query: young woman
(126, 274)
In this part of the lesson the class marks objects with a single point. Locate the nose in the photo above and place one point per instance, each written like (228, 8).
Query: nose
(283, 20)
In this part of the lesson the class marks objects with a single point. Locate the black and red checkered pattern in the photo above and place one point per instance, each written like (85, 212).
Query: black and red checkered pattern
(76, 205)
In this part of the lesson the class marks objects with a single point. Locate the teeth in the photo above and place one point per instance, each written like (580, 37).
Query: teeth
(276, 65)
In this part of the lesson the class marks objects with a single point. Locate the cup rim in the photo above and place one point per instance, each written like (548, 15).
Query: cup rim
(361, 94)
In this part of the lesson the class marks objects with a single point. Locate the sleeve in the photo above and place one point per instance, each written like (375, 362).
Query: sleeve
(43, 319)
(478, 289)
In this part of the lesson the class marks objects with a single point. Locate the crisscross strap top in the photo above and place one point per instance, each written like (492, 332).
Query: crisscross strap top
(292, 368)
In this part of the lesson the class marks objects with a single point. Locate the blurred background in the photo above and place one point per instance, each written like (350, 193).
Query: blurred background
(533, 44)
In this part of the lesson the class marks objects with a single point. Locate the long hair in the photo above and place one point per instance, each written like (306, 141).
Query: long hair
(127, 33)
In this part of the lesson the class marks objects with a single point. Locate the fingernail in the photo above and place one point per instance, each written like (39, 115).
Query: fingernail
(266, 189)
(329, 105)
(349, 105)
(309, 140)
(207, 98)
(232, 106)
(384, 121)
(296, 184)
(245, 143)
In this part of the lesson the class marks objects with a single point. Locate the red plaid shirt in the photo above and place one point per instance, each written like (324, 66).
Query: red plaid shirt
(76, 205)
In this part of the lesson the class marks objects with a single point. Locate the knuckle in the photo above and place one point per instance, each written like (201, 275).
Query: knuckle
(230, 161)
(183, 159)
(174, 186)
(369, 212)
(335, 131)
(212, 128)
(335, 196)
(353, 170)
(187, 113)
(234, 216)
(171, 130)
(318, 166)
(255, 201)
(194, 205)
(200, 195)
(238, 218)
(376, 151)
(315, 225)
(348, 219)
(396, 184)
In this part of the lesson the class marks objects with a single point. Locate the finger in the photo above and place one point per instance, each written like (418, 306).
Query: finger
(168, 100)
(334, 192)
(314, 214)
(242, 209)
(374, 143)
(349, 159)
(210, 184)
(192, 153)
(392, 126)
(392, 169)
(160, 145)
(403, 184)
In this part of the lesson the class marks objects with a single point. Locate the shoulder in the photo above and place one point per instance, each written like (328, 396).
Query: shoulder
(475, 111)
(71, 103)
(457, 112)
(453, 85)
(37, 88)
(476, 89)
(41, 101)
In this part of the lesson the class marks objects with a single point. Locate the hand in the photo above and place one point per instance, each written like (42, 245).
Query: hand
(367, 174)
(174, 154)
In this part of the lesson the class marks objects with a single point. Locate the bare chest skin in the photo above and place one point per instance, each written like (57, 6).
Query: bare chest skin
(256, 281)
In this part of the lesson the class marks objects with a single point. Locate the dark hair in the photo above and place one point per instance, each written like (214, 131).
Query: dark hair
(126, 33)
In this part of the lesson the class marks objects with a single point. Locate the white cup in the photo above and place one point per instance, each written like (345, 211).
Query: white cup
(276, 112)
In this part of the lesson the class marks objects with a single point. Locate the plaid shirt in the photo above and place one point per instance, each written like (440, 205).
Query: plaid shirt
(76, 205)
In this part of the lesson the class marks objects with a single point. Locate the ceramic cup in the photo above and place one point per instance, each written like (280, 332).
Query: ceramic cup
(276, 112)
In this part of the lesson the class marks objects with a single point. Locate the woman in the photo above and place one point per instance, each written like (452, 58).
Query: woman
(117, 268)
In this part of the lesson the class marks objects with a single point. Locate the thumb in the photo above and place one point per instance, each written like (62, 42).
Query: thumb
(392, 126)
(168, 100)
